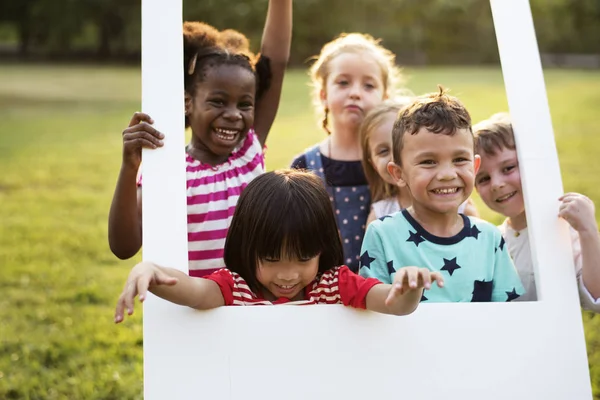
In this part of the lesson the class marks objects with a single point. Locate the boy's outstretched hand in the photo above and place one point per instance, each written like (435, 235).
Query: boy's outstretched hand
(141, 277)
(578, 210)
(410, 279)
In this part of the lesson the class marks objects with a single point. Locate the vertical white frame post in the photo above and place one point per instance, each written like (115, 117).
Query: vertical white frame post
(473, 351)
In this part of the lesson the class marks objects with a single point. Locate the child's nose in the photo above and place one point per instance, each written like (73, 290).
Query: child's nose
(447, 173)
(232, 114)
(288, 275)
(355, 90)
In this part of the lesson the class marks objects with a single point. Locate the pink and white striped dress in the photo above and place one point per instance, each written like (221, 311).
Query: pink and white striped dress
(212, 195)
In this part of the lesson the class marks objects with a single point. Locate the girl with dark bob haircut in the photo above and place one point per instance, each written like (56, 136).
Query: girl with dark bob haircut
(283, 246)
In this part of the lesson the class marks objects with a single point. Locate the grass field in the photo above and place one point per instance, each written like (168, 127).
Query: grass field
(60, 152)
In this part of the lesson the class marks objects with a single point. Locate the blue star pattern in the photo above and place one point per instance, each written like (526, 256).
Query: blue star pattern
(415, 238)
(366, 260)
(450, 266)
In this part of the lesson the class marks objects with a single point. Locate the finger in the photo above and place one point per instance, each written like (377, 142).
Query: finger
(142, 286)
(426, 278)
(438, 278)
(164, 279)
(144, 127)
(139, 117)
(412, 276)
(130, 295)
(142, 135)
(140, 142)
(395, 291)
(399, 283)
(119, 310)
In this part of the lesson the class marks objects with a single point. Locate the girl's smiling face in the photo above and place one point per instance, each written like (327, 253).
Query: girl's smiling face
(221, 112)
(286, 277)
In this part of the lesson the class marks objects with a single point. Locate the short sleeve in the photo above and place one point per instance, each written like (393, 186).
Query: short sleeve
(373, 261)
(507, 284)
(354, 288)
(299, 162)
(224, 279)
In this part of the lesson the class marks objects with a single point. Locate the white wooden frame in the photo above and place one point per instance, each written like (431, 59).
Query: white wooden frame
(453, 351)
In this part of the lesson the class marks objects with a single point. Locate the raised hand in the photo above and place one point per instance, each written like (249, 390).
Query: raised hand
(140, 134)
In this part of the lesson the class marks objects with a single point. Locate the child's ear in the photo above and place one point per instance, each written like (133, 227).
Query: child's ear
(188, 103)
(396, 172)
(323, 97)
(476, 163)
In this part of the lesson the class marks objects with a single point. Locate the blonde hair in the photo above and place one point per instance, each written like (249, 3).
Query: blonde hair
(494, 134)
(352, 43)
(380, 189)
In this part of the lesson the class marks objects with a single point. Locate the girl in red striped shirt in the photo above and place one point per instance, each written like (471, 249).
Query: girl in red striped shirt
(231, 98)
(283, 247)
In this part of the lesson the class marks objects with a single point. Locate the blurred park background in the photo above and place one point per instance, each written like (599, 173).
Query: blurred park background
(69, 82)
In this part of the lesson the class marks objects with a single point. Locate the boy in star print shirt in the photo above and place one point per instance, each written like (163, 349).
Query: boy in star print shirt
(433, 158)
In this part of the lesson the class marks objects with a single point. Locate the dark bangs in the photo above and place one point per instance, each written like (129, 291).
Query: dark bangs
(282, 214)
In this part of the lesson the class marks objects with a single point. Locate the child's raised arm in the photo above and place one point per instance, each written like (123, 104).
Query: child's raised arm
(579, 211)
(276, 42)
(403, 296)
(169, 284)
(125, 217)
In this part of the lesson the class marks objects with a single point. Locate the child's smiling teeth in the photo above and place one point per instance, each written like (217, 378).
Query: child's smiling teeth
(445, 190)
(226, 134)
(505, 197)
(285, 287)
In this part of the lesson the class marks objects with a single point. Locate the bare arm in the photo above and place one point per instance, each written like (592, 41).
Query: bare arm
(276, 42)
(169, 284)
(403, 296)
(125, 216)
(579, 211)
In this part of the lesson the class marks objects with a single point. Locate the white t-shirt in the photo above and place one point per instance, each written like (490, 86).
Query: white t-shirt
(520, 251)
(390, 205)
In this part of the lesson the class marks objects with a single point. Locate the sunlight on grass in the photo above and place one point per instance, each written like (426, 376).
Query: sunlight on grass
(60, 138)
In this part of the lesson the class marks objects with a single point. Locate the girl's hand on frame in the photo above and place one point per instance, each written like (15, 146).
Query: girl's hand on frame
(409, 279)
(139, 134)
(141, 278)
(579, 211)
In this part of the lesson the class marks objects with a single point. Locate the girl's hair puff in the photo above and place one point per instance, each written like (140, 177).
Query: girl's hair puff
(206, 47)
(380, 189)
(285, 213)
(352, 43)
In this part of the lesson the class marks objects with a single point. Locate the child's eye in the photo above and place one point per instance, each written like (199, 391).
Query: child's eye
(369, 86)
(482, 180)
(383, 152)
(509, 168)
(342, 83)
(270, 260)
(427, 162)
(461, 160)
(246, 105)
(216, 102)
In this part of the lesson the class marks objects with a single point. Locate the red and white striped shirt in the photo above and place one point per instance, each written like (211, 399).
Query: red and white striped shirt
(338, 285)
(212, 195)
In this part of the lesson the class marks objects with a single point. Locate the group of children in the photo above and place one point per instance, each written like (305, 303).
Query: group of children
(370, 217)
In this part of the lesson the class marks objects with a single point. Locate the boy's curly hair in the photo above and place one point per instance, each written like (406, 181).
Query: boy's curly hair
(206, 47)
(437, 112)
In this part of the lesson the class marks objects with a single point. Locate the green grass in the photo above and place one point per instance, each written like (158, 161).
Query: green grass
(60, 138)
